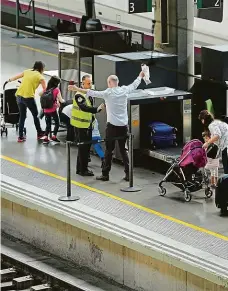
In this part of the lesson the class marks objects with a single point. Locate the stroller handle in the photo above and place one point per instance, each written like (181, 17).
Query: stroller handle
(6, 82)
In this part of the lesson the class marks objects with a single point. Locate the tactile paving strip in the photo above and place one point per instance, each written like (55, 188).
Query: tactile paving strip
(171, 229)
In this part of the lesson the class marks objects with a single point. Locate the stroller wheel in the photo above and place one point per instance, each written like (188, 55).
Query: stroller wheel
(208, 192)
(187, 196)
(162, 191)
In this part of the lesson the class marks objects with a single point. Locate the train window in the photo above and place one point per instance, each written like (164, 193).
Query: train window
(213, 14)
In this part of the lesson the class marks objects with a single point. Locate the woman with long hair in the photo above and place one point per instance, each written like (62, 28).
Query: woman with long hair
(218, 135)
(31, 79)
(51, 113)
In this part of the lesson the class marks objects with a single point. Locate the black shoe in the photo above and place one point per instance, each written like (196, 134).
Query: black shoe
(103, 178)
(87, 173)
(126, 178)
(224, 213)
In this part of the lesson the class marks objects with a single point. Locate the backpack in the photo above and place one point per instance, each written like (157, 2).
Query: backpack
(47, 99)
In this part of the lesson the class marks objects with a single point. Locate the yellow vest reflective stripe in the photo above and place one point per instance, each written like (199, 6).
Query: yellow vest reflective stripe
(79, 118)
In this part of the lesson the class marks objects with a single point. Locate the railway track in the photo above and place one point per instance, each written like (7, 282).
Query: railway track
(16, 275)
(24, 267)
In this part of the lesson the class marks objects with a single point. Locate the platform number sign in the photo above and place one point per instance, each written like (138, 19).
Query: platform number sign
(139, 6)
(203, 4)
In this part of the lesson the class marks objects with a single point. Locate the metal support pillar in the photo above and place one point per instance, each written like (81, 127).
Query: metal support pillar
(180, 25)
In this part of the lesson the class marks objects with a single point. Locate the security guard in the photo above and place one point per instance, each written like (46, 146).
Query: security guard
(82, 119)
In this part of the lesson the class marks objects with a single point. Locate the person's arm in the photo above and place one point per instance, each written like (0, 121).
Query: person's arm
(19, 76)
(44, 86)
(88, 92)
(81, 102)
(60, 98)
(130, 88)
(215, 135)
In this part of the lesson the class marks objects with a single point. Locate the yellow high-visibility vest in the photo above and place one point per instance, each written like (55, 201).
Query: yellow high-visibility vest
(79, 118)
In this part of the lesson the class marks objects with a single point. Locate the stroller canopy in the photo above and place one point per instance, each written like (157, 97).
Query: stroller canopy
(193, 153)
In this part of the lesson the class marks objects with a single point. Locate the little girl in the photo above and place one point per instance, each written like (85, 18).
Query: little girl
(212, 160)
(96, 137)
(51, 113)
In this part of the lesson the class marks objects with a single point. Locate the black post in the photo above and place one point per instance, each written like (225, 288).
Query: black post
(33, 18)
(131, 187)
(60, 68)
(68, 197)
(17, 20)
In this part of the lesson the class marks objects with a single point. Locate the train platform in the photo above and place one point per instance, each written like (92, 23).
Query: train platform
(195, 227)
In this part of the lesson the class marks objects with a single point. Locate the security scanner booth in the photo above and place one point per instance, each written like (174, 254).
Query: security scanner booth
(77, 51)
(161, 104)
(156, 102)
(210, 90)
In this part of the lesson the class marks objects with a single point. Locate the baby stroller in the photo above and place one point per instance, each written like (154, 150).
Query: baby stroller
(187, 172)
(9, 109)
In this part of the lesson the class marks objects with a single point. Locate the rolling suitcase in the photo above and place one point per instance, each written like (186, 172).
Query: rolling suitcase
(221, 193)
(162, 135)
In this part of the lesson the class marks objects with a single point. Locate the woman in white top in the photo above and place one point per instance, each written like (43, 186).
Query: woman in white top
(219, 135)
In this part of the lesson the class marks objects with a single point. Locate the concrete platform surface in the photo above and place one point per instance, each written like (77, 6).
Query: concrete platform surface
(20, 54)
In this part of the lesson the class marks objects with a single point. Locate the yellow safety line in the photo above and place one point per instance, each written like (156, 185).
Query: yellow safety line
(195, 227)
(42, 52)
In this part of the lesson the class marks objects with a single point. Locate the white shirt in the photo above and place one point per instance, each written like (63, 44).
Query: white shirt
(219, 128)
(116, 102)
(67, 110)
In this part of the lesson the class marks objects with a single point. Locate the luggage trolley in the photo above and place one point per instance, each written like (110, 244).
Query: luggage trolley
(9, 109)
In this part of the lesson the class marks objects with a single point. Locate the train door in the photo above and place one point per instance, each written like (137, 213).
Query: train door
(65, 16)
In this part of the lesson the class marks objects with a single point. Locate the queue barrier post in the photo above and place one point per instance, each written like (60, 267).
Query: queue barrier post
(68, 197)
(33, 20)
(131, 187)
(17, 20)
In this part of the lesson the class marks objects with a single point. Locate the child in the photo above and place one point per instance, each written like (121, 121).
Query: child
(212, 160)
(96, 137)
(51, 113)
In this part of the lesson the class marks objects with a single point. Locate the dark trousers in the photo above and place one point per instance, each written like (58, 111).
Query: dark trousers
(23, 104)
(225, 160)
(70, 129)
(113, 131)
(83, 135)
(48, 119)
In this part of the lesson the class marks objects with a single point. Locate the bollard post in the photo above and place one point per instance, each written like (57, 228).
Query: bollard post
(33, 20)
(17, 20)
(68, 197)
(131, 187)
